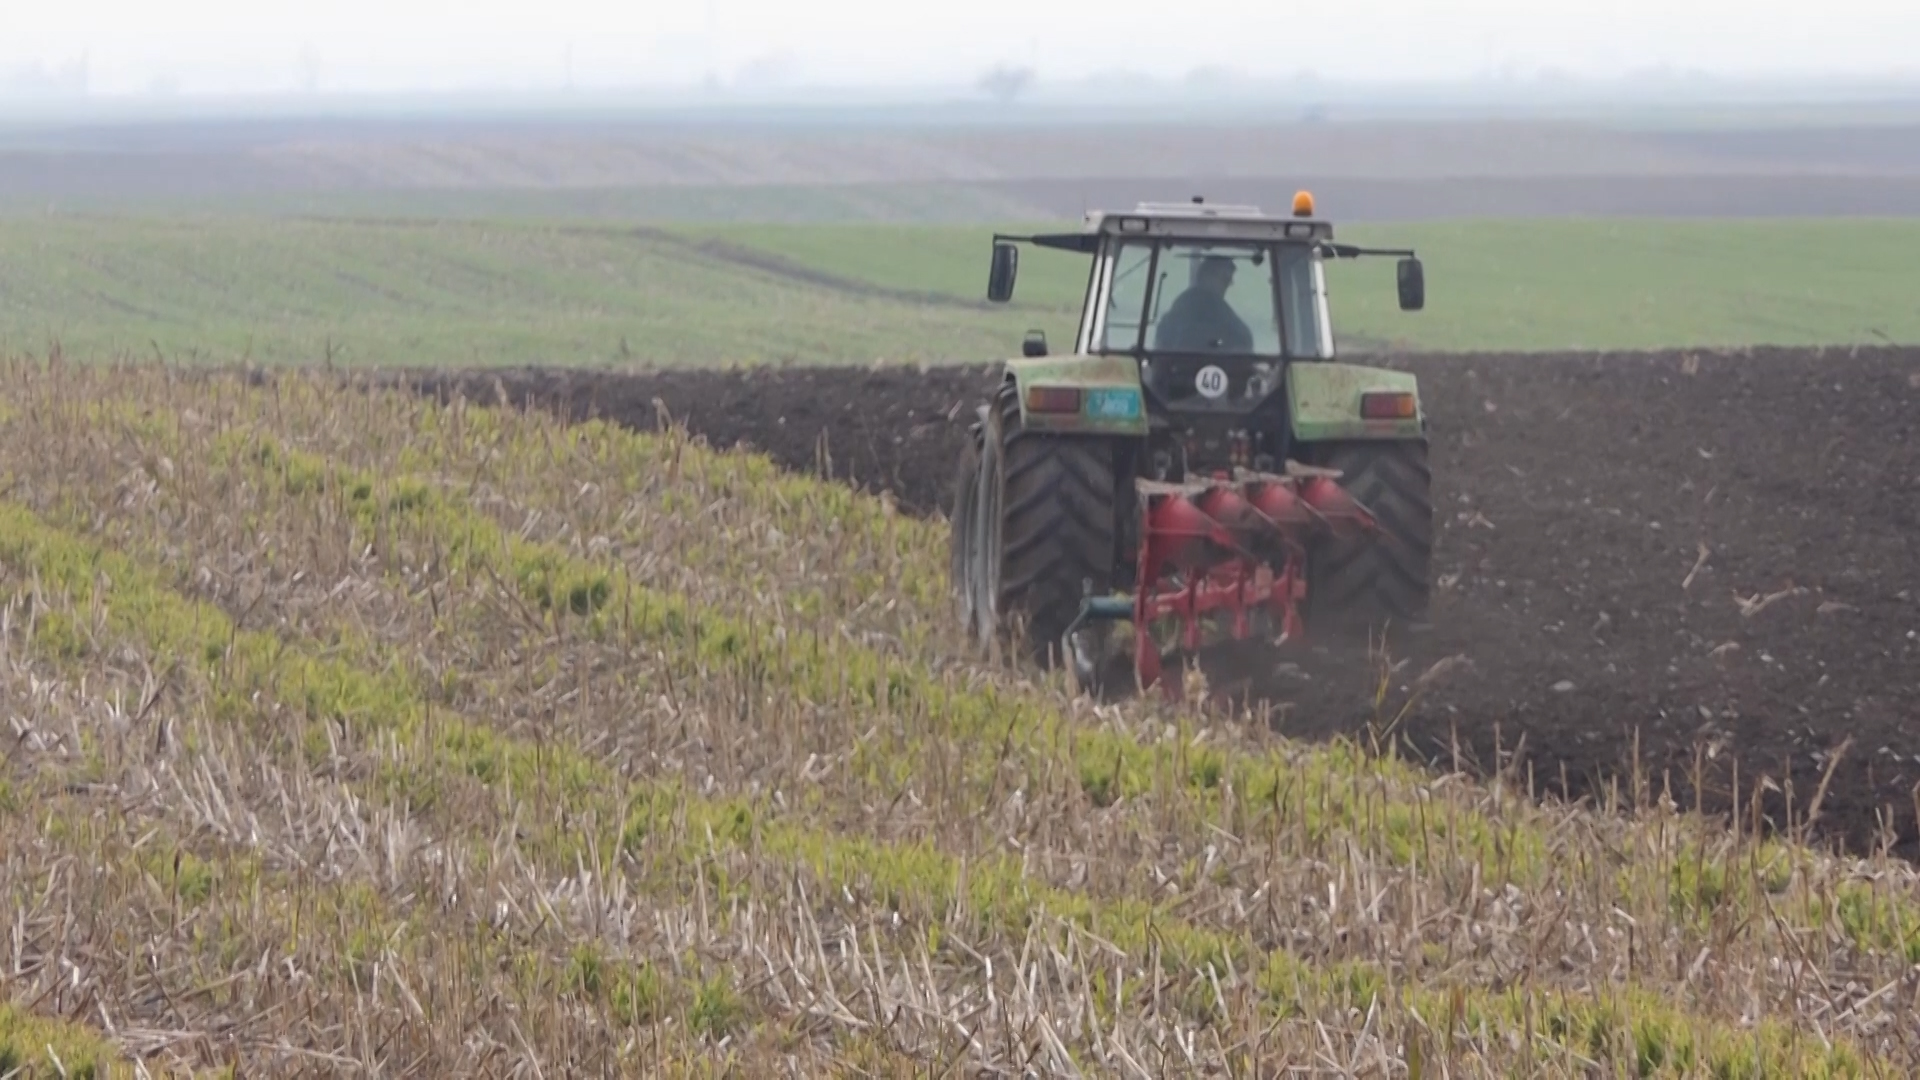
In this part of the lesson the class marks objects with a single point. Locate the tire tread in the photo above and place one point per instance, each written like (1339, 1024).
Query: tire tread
(1058, 526)
(1376, 585)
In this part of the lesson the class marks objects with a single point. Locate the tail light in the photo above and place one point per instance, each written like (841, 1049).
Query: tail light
(1395, 405)
(1053, 399)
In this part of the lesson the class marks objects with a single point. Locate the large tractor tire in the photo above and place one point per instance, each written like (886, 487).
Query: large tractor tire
(1045, 516)
(1376, 588)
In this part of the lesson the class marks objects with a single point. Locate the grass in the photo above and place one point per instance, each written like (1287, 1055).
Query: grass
(439, 738)
(36, 1045)
(1496, 285)
(301, 292)
(227, 288)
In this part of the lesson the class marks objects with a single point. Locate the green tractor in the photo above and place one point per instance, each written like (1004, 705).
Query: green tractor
(1200, 466)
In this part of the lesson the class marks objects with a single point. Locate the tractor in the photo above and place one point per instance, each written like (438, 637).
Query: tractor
(1200, 465)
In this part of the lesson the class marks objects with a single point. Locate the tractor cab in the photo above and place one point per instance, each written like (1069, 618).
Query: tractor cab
(1212, 300)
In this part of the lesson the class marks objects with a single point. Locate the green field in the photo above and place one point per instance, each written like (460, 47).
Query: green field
(1503, 284)
(232, 287)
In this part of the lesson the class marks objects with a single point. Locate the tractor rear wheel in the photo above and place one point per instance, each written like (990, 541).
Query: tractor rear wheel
(1046, 524)
(1375, 587)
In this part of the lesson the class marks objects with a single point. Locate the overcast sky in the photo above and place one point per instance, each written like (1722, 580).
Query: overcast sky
(252, 45)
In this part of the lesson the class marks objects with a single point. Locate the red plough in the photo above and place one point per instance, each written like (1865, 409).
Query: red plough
(1232, 547)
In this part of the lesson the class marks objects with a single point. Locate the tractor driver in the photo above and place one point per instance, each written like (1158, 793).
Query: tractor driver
(1200, 319)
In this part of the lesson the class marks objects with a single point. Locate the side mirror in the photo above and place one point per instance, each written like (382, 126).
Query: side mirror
(1035, 344)
(1413, 285)
(1006, 264)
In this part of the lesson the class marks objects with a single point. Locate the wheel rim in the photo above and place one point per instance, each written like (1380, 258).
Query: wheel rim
(965, 532)
(986, 545)
(1089, 652)
(963, 574)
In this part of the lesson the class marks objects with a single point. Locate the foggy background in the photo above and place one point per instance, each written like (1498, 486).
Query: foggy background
(119, 50)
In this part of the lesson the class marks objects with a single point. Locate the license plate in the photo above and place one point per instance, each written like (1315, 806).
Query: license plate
(1113, 404)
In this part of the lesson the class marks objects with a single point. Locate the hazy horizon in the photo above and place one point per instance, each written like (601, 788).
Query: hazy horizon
(114, 48)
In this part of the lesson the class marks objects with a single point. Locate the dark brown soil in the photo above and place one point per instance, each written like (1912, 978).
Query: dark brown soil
(1575, 496)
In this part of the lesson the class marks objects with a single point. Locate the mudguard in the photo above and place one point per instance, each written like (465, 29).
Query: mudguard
(1323, 399)
(1110, 400)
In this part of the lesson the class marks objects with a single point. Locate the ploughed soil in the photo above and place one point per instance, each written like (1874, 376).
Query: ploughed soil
(1703, 563)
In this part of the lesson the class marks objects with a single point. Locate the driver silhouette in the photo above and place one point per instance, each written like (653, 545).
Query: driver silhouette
(1200, 319)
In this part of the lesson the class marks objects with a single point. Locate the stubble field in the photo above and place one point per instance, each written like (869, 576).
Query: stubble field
(353, 732)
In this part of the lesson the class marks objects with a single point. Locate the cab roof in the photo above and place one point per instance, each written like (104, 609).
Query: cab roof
(1196, 220)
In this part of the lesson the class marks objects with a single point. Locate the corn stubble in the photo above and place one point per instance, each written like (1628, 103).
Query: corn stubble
(351, 734)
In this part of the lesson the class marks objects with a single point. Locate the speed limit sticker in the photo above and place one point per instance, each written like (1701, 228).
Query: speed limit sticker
(1212, 381)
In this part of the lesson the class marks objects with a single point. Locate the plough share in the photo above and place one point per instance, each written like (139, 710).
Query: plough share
(1232, 547)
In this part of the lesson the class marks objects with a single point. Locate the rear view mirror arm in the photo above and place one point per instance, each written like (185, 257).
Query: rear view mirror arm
(1352, 251)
